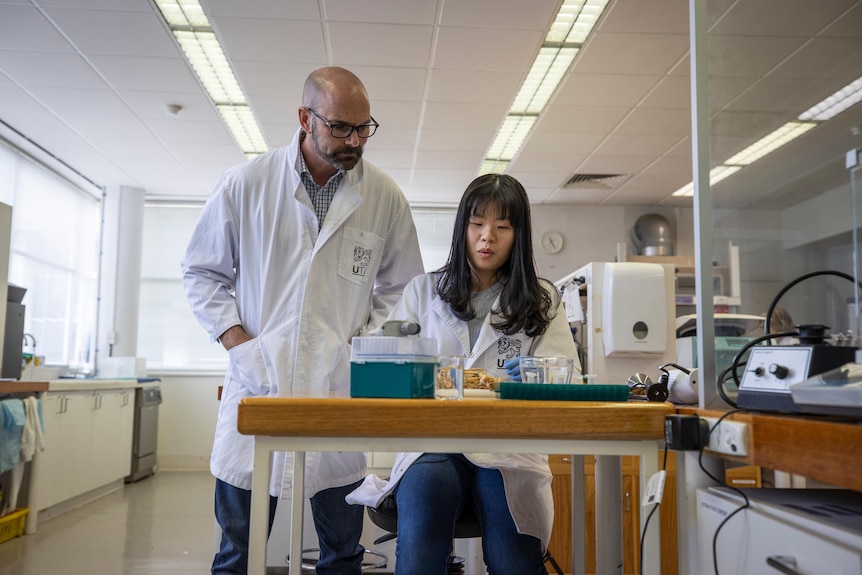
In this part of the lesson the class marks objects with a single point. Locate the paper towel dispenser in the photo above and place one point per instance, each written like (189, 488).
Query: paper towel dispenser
(634, 309)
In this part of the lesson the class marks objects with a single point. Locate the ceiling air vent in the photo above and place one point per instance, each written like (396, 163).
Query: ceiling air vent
(604, 181)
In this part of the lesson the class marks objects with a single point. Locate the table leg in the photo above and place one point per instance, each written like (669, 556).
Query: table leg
(259, 519)
(578, 517)
(297, 501)
(652, 543)
(609, 527)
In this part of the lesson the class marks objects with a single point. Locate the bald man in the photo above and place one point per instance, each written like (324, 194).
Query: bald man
(296, 252)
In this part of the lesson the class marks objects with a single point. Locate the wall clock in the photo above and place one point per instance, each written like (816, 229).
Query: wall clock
(552, 242)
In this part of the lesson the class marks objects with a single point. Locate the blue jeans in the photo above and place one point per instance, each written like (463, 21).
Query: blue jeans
(430, 497)
(338, 524)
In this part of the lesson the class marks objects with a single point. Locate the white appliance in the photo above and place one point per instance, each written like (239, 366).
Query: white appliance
(630, 323)
(811, 531)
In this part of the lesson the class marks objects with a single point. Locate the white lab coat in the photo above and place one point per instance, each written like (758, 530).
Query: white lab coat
(256, 259)
(526, 477)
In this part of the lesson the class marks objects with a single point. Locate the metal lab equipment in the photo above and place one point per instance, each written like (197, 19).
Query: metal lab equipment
(148, 397)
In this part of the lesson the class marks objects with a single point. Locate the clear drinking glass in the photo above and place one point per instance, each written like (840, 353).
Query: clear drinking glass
(449, 377)
(547, 369)
(532, 369)
(559, 369)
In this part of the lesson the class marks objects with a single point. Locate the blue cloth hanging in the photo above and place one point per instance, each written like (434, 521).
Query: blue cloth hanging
(12, 420)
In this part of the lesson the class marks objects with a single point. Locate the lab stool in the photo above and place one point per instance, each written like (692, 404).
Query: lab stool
(467, 526)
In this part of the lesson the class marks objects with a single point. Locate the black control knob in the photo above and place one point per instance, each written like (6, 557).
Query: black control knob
(778, 371)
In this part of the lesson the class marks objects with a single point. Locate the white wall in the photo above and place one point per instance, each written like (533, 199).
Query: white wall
(187, 418)
(592, 234)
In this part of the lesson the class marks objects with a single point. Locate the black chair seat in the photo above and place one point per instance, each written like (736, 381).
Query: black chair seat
(385, 516)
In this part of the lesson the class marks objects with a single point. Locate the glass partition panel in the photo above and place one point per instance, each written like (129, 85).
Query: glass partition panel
(784, 89)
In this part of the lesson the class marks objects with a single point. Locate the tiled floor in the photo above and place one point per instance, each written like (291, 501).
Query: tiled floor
(162, 525)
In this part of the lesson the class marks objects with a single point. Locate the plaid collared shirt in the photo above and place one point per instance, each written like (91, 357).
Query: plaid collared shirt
(321, 196)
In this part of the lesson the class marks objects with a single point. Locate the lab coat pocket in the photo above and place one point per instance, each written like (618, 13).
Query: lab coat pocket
(359, 256)
(248, 366)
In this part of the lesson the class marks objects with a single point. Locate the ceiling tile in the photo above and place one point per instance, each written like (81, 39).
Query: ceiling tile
(547, 142)
(272, 40)
(268, 78)
(632, 53)
(391, 114)
(464, 117)
(116, 33)
(152, 104)
(486, 50)
(605, 90)
(25, 28)
(671, 92)
(51, 69)
(381, 11)
(269, 9)
(175, 130)
(16, 103)
(656, 121)
(388, 159)
(653, 17)
(779, 17)
(503, 14)
(380, 45)
(472, 86)
(449, 160)
(839, 59)
(393, 138)
(748, 56)
(156, 74)
(398, 84)
(637, 144)
(96, 102)
(435, 138)
(581, 119)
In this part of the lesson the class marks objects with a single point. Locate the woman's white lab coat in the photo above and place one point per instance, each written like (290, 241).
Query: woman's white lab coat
(527, 477)
(256, 259)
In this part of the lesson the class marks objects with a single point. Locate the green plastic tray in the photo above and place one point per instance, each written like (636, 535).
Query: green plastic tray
(564, 392)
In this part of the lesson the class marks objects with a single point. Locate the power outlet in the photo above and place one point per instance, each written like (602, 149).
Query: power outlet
(730, 437)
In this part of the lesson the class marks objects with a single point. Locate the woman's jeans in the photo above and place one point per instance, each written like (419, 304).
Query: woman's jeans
(430, 497)
(338, 525)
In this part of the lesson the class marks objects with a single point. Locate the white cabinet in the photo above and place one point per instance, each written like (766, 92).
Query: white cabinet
(811, 531)
(88, 443)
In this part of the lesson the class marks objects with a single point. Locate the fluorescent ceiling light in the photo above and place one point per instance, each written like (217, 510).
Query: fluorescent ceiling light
(770, 143)
(835, 104)
(192, 30)
(820, 112)
(716, 174)
(569, 30)
(766, 145)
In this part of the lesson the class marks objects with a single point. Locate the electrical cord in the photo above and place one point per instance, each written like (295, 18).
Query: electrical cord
(711, 476)
(722, 392)
(792, 283)
(646, 523)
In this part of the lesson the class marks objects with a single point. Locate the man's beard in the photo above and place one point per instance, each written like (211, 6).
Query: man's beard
(343, 157)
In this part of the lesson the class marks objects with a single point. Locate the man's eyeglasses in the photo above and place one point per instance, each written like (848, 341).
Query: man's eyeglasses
(346, 130)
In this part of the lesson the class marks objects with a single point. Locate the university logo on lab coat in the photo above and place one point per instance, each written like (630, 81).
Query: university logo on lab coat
(507, 348)
(361, 259)
(360, 250)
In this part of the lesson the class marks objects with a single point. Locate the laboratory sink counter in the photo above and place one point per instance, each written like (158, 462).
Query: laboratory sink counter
(502, 426)
(88, 426)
